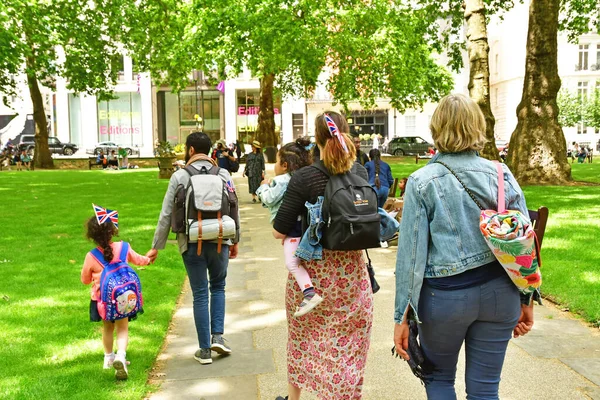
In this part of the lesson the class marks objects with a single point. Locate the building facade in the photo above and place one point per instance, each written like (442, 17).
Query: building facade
(578, 67)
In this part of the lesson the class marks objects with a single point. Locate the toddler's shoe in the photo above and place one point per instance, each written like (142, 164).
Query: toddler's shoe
(120, 365)
(108, 360)
(307, 305)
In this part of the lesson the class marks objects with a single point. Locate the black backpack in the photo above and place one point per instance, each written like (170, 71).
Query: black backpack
(349, 212)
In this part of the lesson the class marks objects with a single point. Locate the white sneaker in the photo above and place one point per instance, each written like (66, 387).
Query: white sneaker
(383, 244)
(108, 360)
(307, 306)
(120, 365)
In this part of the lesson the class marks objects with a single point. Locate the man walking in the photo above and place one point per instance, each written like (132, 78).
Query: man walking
(212, 259)
(361, 157)
(225, 157)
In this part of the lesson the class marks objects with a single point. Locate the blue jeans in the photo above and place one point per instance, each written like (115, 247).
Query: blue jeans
(484, 318)
(197, 267)
(382, 195)
(310, 247)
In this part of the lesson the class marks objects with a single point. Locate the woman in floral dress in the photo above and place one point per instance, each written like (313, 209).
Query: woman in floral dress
(255, 169)
(327, 348)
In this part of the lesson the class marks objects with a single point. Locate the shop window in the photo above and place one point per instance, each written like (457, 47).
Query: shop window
(247, 114)
(120, 119)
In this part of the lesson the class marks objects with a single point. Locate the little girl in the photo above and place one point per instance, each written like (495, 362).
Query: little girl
(101, 229)
(290, 158)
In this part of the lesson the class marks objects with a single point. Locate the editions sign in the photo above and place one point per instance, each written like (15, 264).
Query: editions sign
(120, 119)
(253, 110)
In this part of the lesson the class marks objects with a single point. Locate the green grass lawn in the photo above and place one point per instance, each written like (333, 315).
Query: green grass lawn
(48, 347)
(571, 263)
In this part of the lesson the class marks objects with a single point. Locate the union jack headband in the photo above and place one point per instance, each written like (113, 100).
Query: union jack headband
(335, 132)
(103, 215)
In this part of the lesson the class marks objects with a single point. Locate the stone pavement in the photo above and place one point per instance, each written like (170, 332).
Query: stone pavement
(559, 359)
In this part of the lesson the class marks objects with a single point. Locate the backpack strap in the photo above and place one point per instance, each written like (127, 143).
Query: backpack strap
(321, 167)
(99, 256)
(124, 252)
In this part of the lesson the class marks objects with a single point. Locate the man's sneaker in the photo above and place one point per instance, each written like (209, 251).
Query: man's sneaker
(307, 305)
(120, 366)
(217, 344)
(203, 356)
(109, 359)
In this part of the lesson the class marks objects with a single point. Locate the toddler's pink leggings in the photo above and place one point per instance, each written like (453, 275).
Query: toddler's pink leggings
(292, 263)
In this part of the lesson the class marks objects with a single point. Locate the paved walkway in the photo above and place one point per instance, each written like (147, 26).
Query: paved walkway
(559, 359)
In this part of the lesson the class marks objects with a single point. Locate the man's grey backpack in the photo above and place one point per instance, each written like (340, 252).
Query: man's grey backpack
(349, 212)
(202, 208)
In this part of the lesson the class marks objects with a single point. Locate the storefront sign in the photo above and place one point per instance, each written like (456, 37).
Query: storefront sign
(253, 110)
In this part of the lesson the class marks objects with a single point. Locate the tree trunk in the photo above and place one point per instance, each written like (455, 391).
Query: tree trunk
(479, 74)
(265, 132)
(538, 152)
(41, 157)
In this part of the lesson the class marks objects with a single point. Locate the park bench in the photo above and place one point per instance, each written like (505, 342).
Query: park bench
(539, 219)
(92, 163)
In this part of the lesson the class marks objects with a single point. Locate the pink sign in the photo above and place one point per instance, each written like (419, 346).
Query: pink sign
(253, 110)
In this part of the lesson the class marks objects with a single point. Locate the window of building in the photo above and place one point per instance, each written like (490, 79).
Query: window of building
(248, 107)
(496, 66)
(597, 58)
(298, 125)
(118, 64)
(410, 123)
(205, 104)
(363, 122)
(583, 57)
(120, 119)
(582, 90)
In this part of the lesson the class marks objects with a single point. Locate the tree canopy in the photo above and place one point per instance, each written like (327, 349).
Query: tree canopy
(371, 50)
(77, 40)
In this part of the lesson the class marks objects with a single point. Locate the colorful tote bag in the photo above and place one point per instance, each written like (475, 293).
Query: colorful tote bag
(510, 236)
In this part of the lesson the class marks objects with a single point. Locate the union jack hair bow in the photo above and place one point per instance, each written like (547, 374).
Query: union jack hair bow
(335, 132)
(103, 215)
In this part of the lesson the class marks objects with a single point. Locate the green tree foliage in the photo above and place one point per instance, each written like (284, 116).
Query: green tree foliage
(370, 49)
(591, 110)
(570, 108)
(73, 39)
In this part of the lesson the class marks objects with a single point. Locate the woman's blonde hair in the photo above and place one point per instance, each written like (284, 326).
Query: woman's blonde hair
(335, 158)
(458, 125)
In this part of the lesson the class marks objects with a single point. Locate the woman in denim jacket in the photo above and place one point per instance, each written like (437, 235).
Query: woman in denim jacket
(447, 278)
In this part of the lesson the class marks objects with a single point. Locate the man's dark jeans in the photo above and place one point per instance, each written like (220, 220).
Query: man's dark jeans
(209, 266)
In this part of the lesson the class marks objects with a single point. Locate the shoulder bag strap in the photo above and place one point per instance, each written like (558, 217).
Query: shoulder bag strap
(501, 199)
(463, 185)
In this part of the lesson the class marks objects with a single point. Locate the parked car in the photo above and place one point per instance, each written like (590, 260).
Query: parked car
(408, 145)
(27, 143)
(107, 147)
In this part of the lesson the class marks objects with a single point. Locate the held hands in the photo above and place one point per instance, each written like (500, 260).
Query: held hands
(525, 321)
(152, 255)
(401, 339)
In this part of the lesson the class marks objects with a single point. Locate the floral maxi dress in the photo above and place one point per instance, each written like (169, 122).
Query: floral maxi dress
(327, 348)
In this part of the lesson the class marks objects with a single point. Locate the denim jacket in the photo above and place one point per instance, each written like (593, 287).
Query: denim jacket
(310, 247)
(439, 232)
(271, 195)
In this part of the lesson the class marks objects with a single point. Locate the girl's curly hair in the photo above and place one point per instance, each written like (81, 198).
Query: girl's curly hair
(102, 235)
(295, 154)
